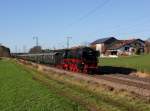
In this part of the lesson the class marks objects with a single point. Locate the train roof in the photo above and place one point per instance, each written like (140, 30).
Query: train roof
(51, 53)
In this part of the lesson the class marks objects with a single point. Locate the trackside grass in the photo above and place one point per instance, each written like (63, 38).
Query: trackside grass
(19, 92)
(140, 63)
(25, 89)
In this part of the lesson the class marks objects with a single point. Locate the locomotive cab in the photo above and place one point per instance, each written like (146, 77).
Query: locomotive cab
(90, 60)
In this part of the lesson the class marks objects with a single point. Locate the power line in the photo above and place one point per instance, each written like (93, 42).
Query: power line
(87, 15)
(36, 39)
(129, 27)
(135, 32)
(139, 23)
(90, 12)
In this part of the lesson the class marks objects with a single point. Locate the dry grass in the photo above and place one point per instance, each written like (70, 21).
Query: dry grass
(96, 95)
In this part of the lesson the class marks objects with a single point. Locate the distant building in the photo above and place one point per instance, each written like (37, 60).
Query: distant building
(148, 39)
(4, 51)
(103, 44)
(114, 47)
(127, 47)
(147, 47)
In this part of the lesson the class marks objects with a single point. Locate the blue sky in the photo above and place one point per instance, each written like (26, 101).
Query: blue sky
(84, 20)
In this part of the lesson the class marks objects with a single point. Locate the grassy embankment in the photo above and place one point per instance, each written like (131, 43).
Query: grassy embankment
(23, 89)
(19, 92)
(140, 63)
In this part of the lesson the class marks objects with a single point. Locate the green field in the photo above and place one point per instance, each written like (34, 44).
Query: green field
(140, 63)
(23, 89)
(19, 92)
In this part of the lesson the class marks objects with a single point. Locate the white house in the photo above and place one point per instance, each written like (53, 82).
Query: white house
(103, 44)
(127, 47)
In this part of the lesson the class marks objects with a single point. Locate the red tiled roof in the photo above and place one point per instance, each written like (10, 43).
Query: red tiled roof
(121, 43)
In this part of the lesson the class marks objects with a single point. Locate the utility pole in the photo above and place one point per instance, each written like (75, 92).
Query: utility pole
(16, 49)
(54, 48)
(24, 49)
(68, 41)
(36, 40)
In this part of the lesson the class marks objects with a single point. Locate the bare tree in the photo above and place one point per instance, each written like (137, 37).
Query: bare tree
(36, 49)
(147, 47)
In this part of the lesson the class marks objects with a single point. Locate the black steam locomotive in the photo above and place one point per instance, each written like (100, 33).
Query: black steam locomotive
(81, 59)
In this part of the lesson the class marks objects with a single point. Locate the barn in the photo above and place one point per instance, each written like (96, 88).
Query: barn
(127, 47)
(113, 47)
(4, 51)
(103, 44)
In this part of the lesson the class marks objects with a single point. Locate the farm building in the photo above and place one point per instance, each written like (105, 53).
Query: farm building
(4, 51)
(103, 44)
(126, 47)
(147, 47)
(114, 47)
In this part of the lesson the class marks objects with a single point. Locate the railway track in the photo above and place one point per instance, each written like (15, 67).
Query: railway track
(127, 80)
(124, 83)
(121, 82)
(133, 78)
(138, 86)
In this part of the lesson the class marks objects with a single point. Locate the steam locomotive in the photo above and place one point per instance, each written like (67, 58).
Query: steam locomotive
(81, 59)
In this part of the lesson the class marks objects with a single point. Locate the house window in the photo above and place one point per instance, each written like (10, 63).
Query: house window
(133, 50)
(135, 44)
(126, 48)
(114, 53)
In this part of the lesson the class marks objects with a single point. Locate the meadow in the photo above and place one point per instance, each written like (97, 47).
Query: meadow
(140, 63)
(19, 92)
(26, 89)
